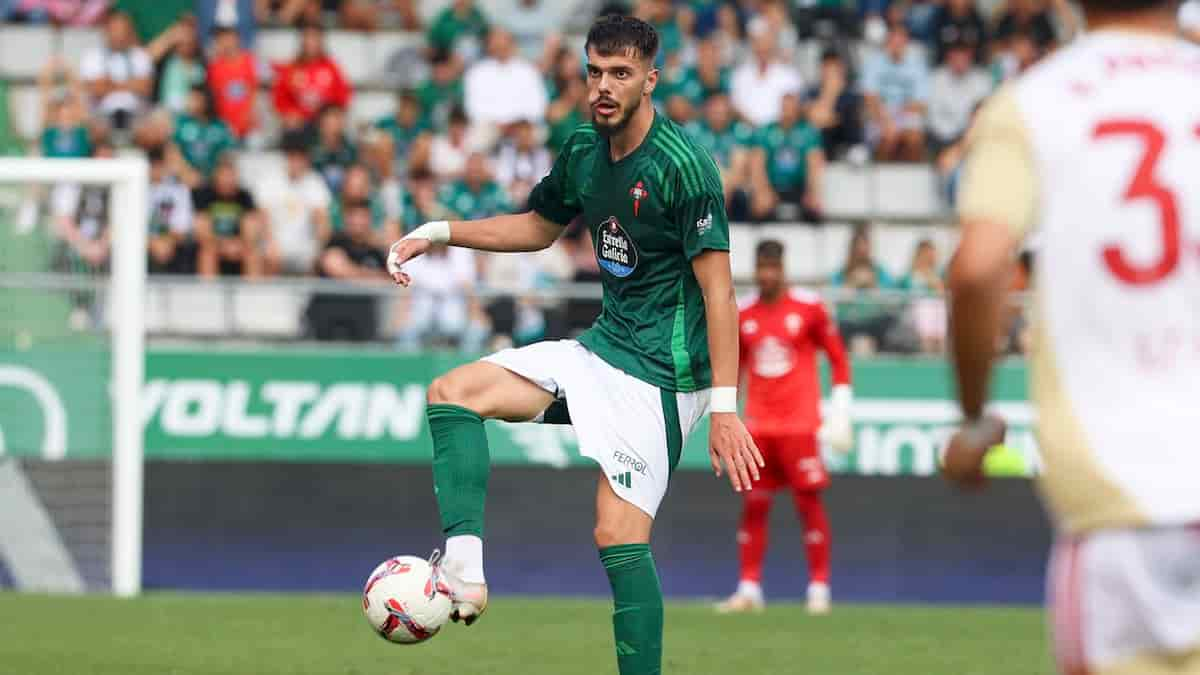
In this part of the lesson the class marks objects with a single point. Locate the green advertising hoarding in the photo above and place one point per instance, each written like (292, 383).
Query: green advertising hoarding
(368, 406)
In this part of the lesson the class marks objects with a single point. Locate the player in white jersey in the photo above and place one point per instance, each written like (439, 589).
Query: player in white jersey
(1097, 151)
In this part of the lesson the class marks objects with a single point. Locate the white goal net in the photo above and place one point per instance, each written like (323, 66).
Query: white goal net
(72, 276)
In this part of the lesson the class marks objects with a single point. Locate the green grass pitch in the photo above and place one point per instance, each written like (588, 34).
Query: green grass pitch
(183, 634)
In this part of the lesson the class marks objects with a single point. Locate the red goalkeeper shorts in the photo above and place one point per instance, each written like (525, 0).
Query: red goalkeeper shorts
(792, 461)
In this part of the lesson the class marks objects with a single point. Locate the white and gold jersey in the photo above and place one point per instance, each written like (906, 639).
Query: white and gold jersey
(1097, 151)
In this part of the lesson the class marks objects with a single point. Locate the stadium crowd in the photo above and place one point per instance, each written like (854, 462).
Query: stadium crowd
(178, 80)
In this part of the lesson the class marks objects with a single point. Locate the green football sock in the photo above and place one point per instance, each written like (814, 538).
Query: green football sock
(460, 467)
(637, 608)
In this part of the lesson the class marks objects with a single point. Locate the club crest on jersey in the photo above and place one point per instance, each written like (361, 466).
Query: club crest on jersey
(638, 192)
(614, 249)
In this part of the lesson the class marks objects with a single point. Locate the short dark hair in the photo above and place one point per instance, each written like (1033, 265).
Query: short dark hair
(156, 154)
(831, 53)
(294, 142)
(457, 115)
(769, 249)
(618, 34)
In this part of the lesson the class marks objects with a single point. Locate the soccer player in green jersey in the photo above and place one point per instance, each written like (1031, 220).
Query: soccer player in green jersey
(663, 352)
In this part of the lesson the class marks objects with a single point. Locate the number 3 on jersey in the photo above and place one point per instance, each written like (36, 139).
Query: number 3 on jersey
(1145, 185)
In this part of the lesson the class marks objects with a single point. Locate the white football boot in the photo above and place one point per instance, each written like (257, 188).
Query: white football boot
(469, 600)
(818, 598)
(747, 598)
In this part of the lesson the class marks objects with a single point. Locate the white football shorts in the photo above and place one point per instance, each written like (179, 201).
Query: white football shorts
(633, 429)
(1127, 601)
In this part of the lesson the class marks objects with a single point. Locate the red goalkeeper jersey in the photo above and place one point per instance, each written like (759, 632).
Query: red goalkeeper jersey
(779, 343)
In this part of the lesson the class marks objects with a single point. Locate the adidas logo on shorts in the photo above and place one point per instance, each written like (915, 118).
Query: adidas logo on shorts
(623, 479)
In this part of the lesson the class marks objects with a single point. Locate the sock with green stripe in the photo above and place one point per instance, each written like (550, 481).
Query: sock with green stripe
(461, 464)
(637, 608)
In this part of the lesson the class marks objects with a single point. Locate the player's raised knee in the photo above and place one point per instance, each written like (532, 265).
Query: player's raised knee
(448, 389)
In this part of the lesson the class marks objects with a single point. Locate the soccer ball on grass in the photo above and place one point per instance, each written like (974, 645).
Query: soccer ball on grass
(403, 600)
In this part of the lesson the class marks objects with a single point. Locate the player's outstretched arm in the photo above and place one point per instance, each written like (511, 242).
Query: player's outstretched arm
(504, 234)
(730, 445)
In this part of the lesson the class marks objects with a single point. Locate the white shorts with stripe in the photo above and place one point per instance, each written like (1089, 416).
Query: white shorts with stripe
(633, 429)
(1126, 601)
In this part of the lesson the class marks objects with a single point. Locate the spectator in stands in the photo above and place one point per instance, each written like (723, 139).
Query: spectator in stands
(442, 306)
(351, 256)
(202, 138)
(697, 82)
(153, 130)
(776, 15)
(956, 89)
(356, 14)
(119, 74)
(227, 226)
(443, 91)
(176, 52)
(405, 124)
(295, 203)
(239, 15)
(835, 107)
(333, 152)
(517, 317)
(569, 109)
(380, 157)
(475, 195)
(308, 84)
(927, 313)
(864, 320)
(521, 162)
(233, 82)
(532, 23)
(503, 88)
(661, 15)
(421, 201)
(64, 133)
(795, 162)
(458, 28)
(760, 83)
(81, 222)
(1026, 16)
(730, 143)
(170, 245)
(896, 84)
(357, 187)
(959, 22)
(449, 150)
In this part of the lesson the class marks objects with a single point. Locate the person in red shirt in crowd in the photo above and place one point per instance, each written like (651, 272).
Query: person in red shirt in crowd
(310, 83)
(233, 81)
(781, 330)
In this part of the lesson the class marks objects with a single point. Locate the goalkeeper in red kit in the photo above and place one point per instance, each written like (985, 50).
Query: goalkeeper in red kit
(781, 331)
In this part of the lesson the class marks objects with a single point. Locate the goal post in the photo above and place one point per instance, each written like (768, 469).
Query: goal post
(127, 179)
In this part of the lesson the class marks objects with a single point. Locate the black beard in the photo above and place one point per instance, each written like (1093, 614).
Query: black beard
(610, 130)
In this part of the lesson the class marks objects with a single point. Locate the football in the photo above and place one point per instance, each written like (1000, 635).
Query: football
(402, 600)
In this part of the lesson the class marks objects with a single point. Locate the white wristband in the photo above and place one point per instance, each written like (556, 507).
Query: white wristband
(723, 400)
(437, 232)
(840, 397)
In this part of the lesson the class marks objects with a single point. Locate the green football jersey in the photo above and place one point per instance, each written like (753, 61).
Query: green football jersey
(490, 200)
(787, 153)
(721, 144)
(649, 214)
(202, 143)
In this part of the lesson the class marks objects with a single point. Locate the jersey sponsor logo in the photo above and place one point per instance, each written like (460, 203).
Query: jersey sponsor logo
(630, 461)
(704, 224)
(750, 326)
(638, 192)
(772, 358)
(614, 249)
